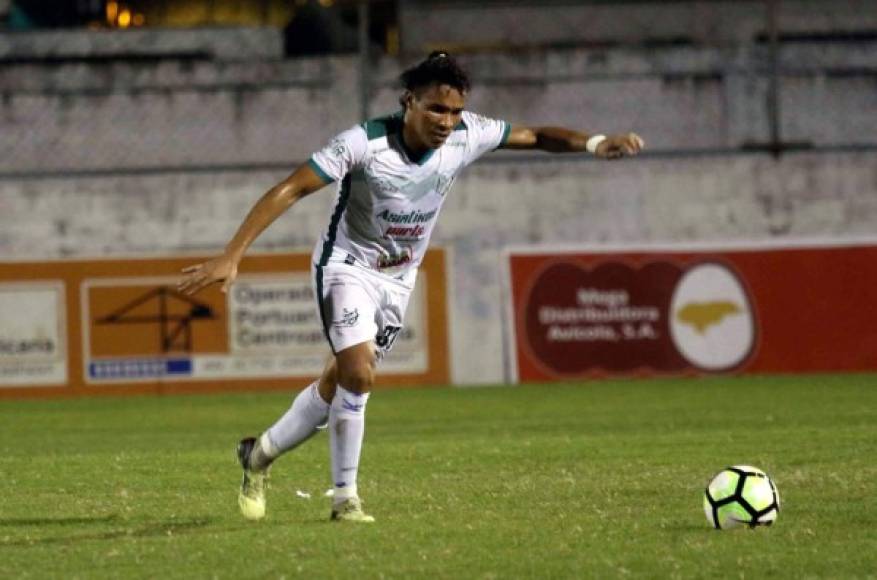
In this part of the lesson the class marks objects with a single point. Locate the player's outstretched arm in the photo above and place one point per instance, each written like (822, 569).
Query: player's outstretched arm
(561, 140)
(272, 205)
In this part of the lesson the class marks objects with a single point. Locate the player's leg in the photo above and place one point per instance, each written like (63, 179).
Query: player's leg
(347, 312)
(355, 373)
(328, 381)
(348, 302)
(308, 412)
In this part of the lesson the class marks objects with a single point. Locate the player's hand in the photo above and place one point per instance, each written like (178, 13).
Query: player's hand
(621, 145)
(221, 269)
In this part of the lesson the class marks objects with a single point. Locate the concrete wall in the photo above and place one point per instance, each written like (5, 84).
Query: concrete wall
(74, 116)
(425, 25)
(135, 115)
(494, 205)
(236, 43)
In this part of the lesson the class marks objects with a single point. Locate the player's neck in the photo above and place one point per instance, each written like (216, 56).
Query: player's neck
(412, 143)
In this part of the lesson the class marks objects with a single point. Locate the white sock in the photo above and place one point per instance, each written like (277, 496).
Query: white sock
(263, 453)
(296, 426)
(346, 430)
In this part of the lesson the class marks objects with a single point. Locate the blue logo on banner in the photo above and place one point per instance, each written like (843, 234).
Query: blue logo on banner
(139, 368)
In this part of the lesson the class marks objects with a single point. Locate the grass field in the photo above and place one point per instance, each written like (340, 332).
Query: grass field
(599, 480)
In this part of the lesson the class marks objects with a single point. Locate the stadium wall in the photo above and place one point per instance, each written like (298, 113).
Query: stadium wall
(227, 43)
(166, 156)
(425, 24)
(75, 116)
(495, 205)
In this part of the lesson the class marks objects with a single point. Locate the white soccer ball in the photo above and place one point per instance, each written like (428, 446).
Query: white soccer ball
(741, 495)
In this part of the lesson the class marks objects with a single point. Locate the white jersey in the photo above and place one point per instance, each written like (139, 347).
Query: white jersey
(388, 200)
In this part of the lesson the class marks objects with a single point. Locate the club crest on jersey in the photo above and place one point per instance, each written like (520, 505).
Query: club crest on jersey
(348, 318)
(443, 184)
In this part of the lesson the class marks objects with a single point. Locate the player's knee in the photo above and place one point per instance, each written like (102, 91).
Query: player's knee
(355, 368)
(357, 378)
(328, 380)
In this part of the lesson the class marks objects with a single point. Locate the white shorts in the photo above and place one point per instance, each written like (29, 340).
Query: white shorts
(357, 305)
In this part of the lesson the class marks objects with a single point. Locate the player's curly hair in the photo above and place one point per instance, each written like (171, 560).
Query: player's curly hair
(438, 68)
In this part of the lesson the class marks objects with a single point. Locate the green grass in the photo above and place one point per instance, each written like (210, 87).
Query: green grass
(599, 480)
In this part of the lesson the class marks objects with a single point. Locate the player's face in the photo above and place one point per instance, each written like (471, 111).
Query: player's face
(434, 112)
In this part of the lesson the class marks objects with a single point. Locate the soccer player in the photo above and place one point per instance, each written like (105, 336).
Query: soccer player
(393, 174)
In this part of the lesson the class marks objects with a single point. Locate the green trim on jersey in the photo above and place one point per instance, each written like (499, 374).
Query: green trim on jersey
(505, 134)
(321, 306)
(329, 244)
(393, 124)
(319, 171)
(381, 126)
(461, 126)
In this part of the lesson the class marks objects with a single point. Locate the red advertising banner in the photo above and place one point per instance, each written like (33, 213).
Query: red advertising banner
(675, 310)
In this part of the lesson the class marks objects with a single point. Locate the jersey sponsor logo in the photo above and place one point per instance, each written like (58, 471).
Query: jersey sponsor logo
(411, 217)
(406, 225)
(405, 233)
(394, 260)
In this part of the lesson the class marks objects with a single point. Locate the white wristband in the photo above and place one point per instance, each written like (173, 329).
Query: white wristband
(593, 142)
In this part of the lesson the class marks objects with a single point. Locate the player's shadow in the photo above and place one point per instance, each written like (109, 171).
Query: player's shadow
(62, 521)
(688, 528)
(133, 530)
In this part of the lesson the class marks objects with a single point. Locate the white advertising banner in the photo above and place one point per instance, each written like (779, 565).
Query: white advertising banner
(32, 330)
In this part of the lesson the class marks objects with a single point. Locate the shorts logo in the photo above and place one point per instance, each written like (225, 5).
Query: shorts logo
(348, 318)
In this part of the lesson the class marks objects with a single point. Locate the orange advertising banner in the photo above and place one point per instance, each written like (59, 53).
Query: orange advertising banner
(111, 326)
(680, 310)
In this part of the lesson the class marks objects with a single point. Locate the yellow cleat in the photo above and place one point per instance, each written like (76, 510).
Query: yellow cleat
(350, 510)
(251, 498)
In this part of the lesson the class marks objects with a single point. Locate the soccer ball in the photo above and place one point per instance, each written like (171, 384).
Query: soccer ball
(741, 495)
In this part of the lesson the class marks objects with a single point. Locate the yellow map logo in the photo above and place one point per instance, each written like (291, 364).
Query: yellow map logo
(702, 315)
